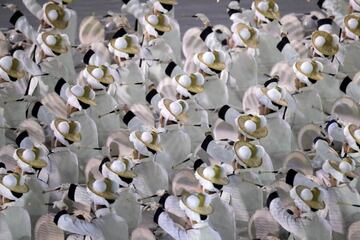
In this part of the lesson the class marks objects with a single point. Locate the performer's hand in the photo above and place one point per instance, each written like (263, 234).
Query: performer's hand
(60, 205)
(10, 6)
(64, 186)
(151, 206)
(160, 192)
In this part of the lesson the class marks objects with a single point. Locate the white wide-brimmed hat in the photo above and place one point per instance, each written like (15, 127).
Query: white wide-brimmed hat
(343, 171)
(157, 24)
(308, 71)
(12, 186)
(99, 77)
(308, 199)
(66, 131)
(11, 69)
(29, 159)
(210, 176)
(124, 45)
(146, 142)
(266, 10)
(352, 136)
(352, 26)
(173, 110)
(249, 154)
(325, 44)
(210, 62)
(53, 44)
(80, 97)
(55, 15)
(252, 126)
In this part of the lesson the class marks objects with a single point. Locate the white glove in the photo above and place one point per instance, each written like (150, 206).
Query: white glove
(60, 205)
(160, 192)
(151, 206)
(64, 186)
(267, 188)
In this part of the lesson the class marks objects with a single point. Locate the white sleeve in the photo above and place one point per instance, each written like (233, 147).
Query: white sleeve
(210, 40)
(135, 8)
(294, 178)
(285, 219)
(288, 51)
(34, 7)
(216, 151)
(132, 121)
(21, 24)
(170, 227)
(172, 206)
(72, 224)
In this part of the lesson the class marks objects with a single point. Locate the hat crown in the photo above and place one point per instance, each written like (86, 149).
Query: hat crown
(307, 67)
(209, 58)
(99, 186)
(50, 40)
(118, 166)
(153, 19)
(29, 155)
(244, 153)
(193, 201)
(345, 166)
(353, 23)
(320, 41)
(64, 127)
(250, 126)
(185, 80)
(10, 181)
(147, 137)
(53, 15)
(98, 72)
(245, 34)
(306, 194)
(274, 94)
(78, 90)
(121, 43)
(6, 62)
(176, 108)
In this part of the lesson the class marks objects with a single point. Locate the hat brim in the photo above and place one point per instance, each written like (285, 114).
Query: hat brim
(352, 129)
(74, 137)
(161, 26)
(170, 2)
(312, 203)
(125, 174)
(85, 99)
(107, 194)
(181, 118)
(193, 87)
(327, 49)
(219, 181)
(18, 188)
(217, 65)
(58, 48)
(106, 79)
(151, 145)
(14, 72)
(203, 210)
(270, 14)
(59, 23)
(281, 102)
(354, 31)
(317, 76)
(253, 161)
(37, 163)
(252, 41)
(259, 133)
(130, 49)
